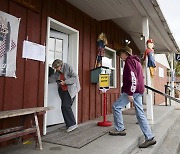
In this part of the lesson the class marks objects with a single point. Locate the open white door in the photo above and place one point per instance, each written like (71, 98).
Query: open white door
(62, 43)
(58, 49)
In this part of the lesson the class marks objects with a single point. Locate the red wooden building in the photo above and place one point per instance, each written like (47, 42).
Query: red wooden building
(28, 89)
(38, 21)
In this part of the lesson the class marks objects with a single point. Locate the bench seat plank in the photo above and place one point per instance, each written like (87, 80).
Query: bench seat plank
(19, 112)
(17, 134)
(9, 130)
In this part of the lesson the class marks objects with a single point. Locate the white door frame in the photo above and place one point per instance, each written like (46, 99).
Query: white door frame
(73, 60)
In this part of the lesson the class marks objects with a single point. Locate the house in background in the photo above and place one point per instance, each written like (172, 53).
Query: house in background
(69, 29)
(178, 82)
(161, 77)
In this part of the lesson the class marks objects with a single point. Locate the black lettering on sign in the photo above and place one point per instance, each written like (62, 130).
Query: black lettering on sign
(177, 57)
(103, 80)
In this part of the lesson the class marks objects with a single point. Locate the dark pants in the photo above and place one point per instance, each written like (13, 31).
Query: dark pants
(66, 107)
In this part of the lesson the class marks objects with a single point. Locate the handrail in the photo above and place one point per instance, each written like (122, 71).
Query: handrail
(161, 93)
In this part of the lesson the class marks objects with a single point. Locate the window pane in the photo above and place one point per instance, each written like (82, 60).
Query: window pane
(51, 57)
(122, 64)
(59, 55)
(59, 45)
(51, 44)
(108, 59)
(106, 62)
(111, 78)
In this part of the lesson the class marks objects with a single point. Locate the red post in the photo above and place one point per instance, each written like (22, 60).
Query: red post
(104, 122)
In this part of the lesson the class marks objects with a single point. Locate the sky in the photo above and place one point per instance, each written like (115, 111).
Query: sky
(171, 11)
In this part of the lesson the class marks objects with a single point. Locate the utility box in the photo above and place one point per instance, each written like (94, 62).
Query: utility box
(96, 71)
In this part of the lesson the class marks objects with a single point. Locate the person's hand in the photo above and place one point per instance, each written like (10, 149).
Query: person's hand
(62, 82)
(143, 62)
(58, 81)
(130, 98)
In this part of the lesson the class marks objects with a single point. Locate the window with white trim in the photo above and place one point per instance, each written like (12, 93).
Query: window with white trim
(55, 49)
(109, 60)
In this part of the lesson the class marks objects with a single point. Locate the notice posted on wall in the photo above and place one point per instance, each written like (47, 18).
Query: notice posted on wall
(33, 51)
(9, 29)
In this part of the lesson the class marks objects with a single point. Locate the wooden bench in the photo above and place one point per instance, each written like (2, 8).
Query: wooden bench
(20, 131)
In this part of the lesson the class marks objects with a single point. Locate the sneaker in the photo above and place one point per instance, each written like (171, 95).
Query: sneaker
(116, 132)
(71, 128)
(147, 143)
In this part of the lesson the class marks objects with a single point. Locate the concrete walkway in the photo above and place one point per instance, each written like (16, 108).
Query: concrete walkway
(105, 144)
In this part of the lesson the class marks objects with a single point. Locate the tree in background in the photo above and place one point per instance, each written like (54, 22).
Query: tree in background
(177, 68)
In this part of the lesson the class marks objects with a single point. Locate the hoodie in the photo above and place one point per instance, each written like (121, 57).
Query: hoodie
(133, 79)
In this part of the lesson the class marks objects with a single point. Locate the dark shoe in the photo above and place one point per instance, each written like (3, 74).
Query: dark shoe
(147, 143)
(116, 132)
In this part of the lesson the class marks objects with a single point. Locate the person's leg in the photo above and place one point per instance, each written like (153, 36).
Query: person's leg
(117, 113)
(66, 108)
(142, 120)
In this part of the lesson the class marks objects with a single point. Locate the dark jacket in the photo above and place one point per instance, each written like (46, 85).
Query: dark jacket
(133, 79)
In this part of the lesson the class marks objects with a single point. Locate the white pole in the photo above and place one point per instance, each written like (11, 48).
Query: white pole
(172, 78)
(148, 96)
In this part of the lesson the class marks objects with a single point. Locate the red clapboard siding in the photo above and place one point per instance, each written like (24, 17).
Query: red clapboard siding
(43, 28)
(79, 26)
(92, 63)
(10, 89)
(112, 35)
(108, 104)
(31, 66)
(108, 32)
(104, 26)
(86, 73)
(98, 96)
(17, 84)
(116, 36)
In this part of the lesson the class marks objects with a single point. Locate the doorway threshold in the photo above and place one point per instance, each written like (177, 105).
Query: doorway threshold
(55, 127)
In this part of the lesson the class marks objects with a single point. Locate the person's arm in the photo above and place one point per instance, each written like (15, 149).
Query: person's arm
(72, 76)
(145, 54)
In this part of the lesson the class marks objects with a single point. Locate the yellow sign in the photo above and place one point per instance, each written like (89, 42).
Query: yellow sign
(104, 80)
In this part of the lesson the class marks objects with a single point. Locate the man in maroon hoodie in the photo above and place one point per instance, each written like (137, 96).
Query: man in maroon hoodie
(132, 91)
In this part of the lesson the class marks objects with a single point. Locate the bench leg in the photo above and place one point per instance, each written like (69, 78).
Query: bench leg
(38, 131)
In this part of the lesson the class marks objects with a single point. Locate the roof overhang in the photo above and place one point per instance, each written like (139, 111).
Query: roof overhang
(128, 14)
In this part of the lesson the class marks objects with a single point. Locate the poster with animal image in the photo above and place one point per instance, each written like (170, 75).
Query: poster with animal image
(9, 28)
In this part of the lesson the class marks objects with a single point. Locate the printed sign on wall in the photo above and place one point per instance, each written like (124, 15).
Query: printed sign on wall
(33, 51)
(9, 28)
